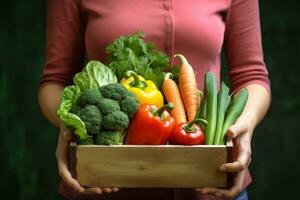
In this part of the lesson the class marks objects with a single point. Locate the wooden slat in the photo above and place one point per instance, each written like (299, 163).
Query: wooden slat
(73, 160)
(229, 147)
(151, 166)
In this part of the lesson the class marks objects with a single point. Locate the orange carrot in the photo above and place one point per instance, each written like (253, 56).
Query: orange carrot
(172, 94)
(188, 87)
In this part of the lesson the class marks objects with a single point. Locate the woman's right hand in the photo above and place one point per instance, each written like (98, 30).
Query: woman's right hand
(62, 156)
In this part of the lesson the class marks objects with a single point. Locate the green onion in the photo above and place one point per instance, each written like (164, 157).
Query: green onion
(211, 107)
(235, 109)
(203, 108)
(223, 103)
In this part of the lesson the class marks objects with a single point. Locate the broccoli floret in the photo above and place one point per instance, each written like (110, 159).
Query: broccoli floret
(75, 109)
(116, 120)
(114, 91)
(92, 118)
(109, 138)
(107, 106)
(87, 141)
(89, 97)
(130, 105)
(131, 94)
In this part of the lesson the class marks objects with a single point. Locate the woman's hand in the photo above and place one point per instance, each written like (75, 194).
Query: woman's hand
(62, 155)
(241, 134)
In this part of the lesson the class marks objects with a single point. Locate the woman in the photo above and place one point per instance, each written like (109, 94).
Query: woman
(78, 29)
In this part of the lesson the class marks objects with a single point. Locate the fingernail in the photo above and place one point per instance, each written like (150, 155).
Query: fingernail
(99, 191)
(222, 168)
(108, 190)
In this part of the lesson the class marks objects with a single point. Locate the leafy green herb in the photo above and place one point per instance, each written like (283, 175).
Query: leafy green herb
(132, 53)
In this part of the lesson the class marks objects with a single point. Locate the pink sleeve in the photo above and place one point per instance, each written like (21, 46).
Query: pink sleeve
(65, 42)
(243, 45)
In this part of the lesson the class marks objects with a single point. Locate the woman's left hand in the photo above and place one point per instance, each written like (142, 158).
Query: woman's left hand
(241, 134)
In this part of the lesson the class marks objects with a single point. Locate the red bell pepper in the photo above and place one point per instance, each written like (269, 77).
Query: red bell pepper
(150, 125)
(188, 133)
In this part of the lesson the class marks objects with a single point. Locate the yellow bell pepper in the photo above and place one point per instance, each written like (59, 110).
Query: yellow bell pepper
(145, 90)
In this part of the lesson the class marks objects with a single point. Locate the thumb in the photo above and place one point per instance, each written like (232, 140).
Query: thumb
(237, 129)
(68, 136)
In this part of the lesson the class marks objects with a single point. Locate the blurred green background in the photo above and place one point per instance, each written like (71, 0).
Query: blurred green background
(27, 145)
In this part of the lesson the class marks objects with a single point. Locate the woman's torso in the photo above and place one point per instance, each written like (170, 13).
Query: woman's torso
(193, 28)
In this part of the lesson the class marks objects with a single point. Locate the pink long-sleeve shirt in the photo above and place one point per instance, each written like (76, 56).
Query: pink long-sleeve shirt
(199, 29)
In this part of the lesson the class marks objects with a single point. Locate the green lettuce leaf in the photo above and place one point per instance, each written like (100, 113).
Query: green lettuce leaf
(71, 121)
(93, 76)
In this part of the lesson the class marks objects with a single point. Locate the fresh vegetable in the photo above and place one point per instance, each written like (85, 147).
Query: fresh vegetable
(188, 87)
(106, 115)
(132, 53)
(219, 109)
(188, 133)
(114, 91)
(117, 120)
(92, 118)
(130, 105)
(172, 94)
(151, 126)
(93, 76)
(211, 106)
(203, 107)
(107, 106)
(223, 103)
(89, 97)
(235, 109)
(110, 138)
(88, 141)
(198, 113)
(145, 90)
(70, 120)
(93, 104)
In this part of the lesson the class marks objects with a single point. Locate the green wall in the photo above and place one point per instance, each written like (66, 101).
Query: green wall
(28, 167)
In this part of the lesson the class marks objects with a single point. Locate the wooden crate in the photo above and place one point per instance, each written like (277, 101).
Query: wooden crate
(171, 166)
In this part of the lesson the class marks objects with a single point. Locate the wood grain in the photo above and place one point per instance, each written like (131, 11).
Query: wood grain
(229, 147)
(151, 166)
(73, 159)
